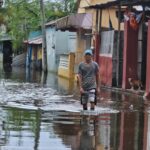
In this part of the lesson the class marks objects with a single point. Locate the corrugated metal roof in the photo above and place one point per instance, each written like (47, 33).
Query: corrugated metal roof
(75, 21)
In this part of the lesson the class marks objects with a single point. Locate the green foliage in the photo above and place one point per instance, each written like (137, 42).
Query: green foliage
(23, 16)
(59, 8)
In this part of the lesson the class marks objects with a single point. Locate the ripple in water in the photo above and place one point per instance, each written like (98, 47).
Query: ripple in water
(34, 96)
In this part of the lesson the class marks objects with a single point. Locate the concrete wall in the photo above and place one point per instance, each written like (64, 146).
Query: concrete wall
(61, 39)
(58, 43)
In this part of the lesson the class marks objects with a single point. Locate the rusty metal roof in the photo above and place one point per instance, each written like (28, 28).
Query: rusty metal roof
(75, 21)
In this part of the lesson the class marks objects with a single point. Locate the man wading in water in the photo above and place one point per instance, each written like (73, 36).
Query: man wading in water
(89, 80)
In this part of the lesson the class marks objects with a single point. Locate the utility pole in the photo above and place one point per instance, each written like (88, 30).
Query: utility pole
(44, 51)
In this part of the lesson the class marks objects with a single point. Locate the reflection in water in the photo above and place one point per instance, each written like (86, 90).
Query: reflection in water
(147, 132)
(65, 86)
(49, 116)
(88, 134)
(70, 131)
(7, 70)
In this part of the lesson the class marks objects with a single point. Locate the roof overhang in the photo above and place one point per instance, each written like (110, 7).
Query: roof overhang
(121, 2)
(75, 21)
(104, 5)
(36, 41)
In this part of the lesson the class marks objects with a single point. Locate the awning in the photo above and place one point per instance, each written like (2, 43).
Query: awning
(36, 41)
(75, 21)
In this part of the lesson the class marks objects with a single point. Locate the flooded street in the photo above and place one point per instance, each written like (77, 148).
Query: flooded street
(43, 112)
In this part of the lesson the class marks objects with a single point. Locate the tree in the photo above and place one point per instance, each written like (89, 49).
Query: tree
(24, 16)
(59, 8)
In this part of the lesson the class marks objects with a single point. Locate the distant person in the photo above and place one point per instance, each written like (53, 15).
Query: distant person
(89, 80)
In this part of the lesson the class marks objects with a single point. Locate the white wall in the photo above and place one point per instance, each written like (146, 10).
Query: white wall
(72, 41)
(51, 53)
(58, 43)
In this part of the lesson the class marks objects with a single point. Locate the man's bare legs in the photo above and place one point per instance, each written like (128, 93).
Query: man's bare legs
(92, 105)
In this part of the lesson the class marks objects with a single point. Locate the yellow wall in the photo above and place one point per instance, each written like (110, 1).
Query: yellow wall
(33, 52)
(66, 84)
(39, 53)
(68, 72)
(38, 50)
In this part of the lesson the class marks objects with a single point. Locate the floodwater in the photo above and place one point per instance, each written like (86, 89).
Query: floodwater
(43, 112)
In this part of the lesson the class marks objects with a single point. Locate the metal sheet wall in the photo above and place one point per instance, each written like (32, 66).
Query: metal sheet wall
(108, 57)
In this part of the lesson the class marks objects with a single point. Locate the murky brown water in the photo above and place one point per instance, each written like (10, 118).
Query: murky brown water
(40, 112)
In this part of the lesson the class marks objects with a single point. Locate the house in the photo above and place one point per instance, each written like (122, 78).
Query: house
(61, 46)
(125, 56)
(79, 28)
(105, 30)
(34, 50)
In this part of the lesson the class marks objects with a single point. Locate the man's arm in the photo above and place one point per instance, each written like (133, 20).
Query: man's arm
(98, 81)
(80, 83)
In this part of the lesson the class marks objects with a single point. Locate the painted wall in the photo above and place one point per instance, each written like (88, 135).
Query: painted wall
(56, 46)
(61, 43)
(66, 65)
(36, 59)
(36, 52)
(39, 53)
(130, 55)
(108, 57)
(52, 65)
(72, 42)
(34, 34)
